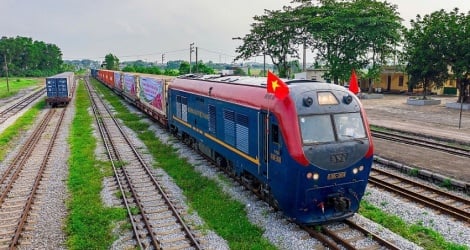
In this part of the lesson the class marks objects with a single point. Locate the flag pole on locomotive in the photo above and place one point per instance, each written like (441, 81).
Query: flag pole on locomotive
(280, 90)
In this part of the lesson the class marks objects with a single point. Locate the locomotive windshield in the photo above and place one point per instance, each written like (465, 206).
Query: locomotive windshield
(330, 128)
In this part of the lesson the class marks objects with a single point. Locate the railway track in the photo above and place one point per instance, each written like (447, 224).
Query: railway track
(348, 235)
(445, 202)
(20, 182)
(333, 237)
(18, 106)
(426, 143)
(155, 221)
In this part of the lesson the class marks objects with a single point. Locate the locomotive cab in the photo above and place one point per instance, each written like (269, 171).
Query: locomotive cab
(323, 129)
(336, 143)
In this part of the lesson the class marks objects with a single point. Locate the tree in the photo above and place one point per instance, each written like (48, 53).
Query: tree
(271, 35)
(457, 55)
(425, 51)
(200, 67)
(129, 68)
(378, 28)
(111, 62)
(26, 57)
(347, 35)
(184, 68)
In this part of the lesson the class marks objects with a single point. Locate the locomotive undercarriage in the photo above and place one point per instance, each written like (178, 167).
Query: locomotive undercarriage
(245, 178)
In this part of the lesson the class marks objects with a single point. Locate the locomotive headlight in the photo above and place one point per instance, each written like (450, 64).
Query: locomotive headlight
(361, 168)
(355, 170)
(314, 176)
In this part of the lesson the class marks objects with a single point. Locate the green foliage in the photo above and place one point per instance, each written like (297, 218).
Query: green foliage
(272, 35)
(447, 183)
(239, 72)
(111, 62)
(344, 35)
(202, 68)
(89, 224)
(171, 72)
(222, 214)
(425, 50)
(26, 57)
(417, 233)
(351, 35)
(17, 84)
(129, 68)
(436, 43)
(457, 43)
(20, 126)
(184, 68)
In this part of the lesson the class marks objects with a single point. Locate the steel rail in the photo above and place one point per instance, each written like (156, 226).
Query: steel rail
(428, 201)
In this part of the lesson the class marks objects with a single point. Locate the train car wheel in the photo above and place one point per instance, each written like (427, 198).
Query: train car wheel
(220, 161)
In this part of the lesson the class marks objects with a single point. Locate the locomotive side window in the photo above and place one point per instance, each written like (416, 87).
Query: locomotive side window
(317, 129)
(212, 119)
(349, 126)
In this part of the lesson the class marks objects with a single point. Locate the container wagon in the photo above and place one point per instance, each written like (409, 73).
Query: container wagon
(59, 89)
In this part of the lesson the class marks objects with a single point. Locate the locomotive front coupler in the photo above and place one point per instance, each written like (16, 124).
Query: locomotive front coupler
(340, 203)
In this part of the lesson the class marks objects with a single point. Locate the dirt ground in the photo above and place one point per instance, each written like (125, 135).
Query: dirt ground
(429, 120)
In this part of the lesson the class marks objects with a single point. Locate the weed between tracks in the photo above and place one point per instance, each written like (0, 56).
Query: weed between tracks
(89, 223)
(417, 233)
(21, 125)
(17, 84)
(221, 213)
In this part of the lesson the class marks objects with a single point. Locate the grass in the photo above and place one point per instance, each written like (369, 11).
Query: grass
(21, 125)
(220, 212)
(417, 233)
(89, 224)
(17, 84)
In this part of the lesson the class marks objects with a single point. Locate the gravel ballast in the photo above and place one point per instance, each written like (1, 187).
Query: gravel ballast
(279, 231)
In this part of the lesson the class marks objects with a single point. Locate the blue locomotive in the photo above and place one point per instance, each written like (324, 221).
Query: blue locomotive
(310, 153)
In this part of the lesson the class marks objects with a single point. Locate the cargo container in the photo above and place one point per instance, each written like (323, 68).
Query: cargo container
(117, 81)
(152, 95)
(59, 88)
(130, 86)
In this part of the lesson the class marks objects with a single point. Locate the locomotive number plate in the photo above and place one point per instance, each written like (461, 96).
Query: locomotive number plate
(338, 175)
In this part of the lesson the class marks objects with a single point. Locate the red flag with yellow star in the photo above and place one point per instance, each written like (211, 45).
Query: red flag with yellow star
(353, 85)
(277, 86)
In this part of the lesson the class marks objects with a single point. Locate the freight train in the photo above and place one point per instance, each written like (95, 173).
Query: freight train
(59, 88)
(309, 154)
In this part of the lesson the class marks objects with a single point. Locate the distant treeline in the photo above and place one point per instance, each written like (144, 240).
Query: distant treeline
(24, 57)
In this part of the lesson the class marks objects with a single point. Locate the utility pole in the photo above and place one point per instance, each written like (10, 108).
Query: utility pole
(6, 70)
(304, 62)
(163, 59)
(197, 71)
(191, 50)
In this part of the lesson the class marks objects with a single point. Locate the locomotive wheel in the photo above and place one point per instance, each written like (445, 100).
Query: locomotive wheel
(220, 161)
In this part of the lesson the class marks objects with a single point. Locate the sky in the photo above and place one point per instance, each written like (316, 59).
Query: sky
(146, 29)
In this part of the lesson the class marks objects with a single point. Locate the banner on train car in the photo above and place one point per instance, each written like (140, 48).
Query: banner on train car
(129, 84)
(151, 91)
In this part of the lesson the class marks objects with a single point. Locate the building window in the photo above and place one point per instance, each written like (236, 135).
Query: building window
(400, 81)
